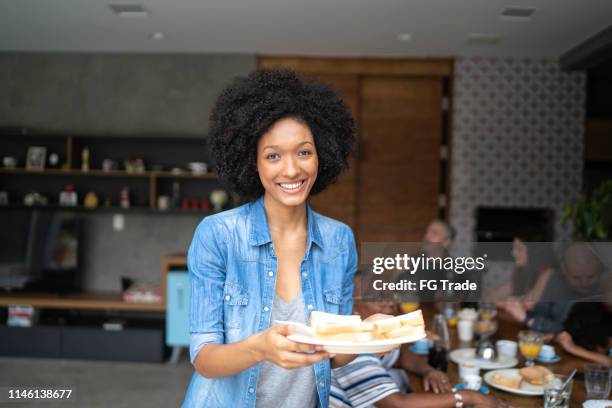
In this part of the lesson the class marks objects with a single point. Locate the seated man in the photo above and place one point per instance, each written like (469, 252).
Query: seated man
(581, 271)
(369, 380)
(437, 243)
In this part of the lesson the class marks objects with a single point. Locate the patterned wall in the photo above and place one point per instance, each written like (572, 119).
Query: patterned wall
(518, 132)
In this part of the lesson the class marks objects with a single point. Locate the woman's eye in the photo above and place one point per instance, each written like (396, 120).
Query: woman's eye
(305, 153)
(272, 156)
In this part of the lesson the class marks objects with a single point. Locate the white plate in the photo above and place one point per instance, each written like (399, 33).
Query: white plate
(305, 334)
(466, 355)
(526, 388)
(596, 404)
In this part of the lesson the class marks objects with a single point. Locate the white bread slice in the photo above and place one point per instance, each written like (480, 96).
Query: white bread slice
(360, 337)
(404, 331)
(334, 328)
(317, 318)
(412, 319)
(387, 325)
(507, 381)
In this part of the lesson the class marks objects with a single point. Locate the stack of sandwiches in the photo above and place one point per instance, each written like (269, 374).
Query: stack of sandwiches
(351, 328)
(536, 375)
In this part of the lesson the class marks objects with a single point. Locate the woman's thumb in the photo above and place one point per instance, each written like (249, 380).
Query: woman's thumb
(285, 329)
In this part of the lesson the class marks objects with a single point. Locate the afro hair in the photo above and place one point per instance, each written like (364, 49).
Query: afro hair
(250, 105)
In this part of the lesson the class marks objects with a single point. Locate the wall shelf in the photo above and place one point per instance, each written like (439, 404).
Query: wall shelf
(171, 155)
(103, 173)
(80, 301)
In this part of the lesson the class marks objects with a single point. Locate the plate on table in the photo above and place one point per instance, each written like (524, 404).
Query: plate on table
(468, 355)
(597, 404)
(419, 352)
(552, 360)
(526, 389)
(305, 334)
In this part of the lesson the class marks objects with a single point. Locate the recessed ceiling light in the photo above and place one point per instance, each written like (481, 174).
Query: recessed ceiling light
(404, 37)
(483, 38)
(517, 13)
(129, 10)
(157, 36)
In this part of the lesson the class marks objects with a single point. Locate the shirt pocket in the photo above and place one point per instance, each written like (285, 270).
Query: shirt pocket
(235, 299)
(333, 299)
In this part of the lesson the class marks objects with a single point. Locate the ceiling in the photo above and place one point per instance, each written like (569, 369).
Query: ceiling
(438, 28)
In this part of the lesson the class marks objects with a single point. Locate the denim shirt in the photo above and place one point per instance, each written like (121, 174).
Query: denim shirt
(233, 269)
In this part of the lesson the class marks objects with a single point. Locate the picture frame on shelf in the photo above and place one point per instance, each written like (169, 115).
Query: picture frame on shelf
(36, 158)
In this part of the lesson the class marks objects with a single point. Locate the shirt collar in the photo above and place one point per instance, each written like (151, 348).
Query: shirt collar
(260, 232)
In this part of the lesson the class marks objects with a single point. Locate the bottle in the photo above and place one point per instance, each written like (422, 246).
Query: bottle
(438, 354)
(124, 198)
(176, 195)
(85, 159)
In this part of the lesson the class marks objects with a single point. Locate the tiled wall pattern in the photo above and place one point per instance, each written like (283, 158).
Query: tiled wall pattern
(518, 132)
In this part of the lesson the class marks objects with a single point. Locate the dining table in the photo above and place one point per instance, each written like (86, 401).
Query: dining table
(508, 329)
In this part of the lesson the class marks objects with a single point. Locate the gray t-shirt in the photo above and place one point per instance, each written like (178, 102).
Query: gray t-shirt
(281, 388)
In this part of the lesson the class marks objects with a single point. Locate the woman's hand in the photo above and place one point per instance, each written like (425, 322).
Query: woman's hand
(516, 309)
(437, 381)
(274, 346)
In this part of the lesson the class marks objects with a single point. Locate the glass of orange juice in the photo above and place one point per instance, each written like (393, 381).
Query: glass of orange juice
(530, 344)
(407, 307)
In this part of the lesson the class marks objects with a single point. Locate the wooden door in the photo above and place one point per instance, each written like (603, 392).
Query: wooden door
(399, 168)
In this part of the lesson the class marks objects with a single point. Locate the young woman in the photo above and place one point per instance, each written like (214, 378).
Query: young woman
(276, 140)
(588, 328)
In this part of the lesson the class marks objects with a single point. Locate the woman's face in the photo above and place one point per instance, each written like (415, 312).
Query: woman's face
(519, 252)
(287, 162)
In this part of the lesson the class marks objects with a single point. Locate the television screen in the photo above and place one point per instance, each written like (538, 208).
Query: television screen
(39, 250)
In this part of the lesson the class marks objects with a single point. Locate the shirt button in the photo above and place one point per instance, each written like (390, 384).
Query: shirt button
(310, 307)
(251, 390)
(270, 273)
(227, 298)
(305, 274)
(266, 309)
(322, 384)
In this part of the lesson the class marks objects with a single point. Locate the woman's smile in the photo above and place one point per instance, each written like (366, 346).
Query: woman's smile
(292, 188)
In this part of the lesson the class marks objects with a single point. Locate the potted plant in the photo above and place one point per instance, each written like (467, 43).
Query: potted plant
(592, 216)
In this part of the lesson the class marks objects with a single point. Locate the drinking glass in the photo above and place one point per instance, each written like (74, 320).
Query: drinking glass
(597, 381)
(530, 344)
(554, 395)
(487, 310)
(440, 332)
(407, 307)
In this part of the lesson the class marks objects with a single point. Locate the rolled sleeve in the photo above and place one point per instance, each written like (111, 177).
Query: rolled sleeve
(347, 283)
(197, 341)
(206, 264)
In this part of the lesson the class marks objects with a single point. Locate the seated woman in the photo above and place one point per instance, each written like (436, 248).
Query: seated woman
(532, 270)
(588, 330)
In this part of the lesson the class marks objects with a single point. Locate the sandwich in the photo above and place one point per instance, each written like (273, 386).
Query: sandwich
(536, 375)
(351, 328)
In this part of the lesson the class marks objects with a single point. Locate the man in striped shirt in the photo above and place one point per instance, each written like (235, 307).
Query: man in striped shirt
(369, 380)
